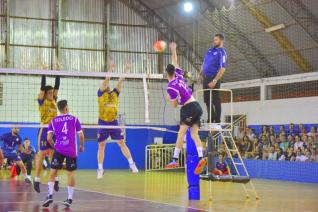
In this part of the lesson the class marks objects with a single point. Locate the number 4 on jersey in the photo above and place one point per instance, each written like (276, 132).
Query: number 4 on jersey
(64, 129)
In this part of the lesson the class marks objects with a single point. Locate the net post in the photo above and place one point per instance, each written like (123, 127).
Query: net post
(192, 162)
(144, 80)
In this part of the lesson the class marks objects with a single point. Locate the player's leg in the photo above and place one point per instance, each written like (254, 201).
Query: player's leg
(38, 167)
(57, 163)
(126, 152)
(71, 166)
(216, 101)
(23, 169)
(50, 153)
(28, 164)
(194, 130)
(179, 144)
(102, 136)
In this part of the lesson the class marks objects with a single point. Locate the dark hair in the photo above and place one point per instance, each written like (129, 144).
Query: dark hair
(61, 105)
(26, 138)
(48, 88)
(221, 36)
(170, 69)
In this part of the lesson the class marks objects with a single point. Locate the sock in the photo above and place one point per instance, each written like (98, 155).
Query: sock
(36, 179)
(130, 161)
(200, 152)
(56, 179)
(70, 191)
(25, 175)
(176, 153)
(51, 185)
(100, 166)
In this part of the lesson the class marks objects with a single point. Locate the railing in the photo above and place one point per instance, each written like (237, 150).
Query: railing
(158, 156)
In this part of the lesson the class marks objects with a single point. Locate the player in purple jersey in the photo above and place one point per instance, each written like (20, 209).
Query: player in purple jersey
(191, 111)
(65, 127)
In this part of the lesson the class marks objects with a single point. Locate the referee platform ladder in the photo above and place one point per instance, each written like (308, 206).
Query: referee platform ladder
(220, 138)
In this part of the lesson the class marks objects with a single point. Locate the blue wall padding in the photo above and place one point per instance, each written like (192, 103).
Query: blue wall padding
(192, 162)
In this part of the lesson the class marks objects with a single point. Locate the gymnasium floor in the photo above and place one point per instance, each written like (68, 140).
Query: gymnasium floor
(157, 191)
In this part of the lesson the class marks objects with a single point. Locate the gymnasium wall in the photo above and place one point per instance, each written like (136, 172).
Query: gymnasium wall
(282, 111)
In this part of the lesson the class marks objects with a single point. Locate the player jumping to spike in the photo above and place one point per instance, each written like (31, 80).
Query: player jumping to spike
(64, 127)
(108, 111)
(48, 110)
(191, 111)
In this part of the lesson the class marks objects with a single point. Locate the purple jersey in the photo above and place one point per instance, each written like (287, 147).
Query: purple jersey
(178, 88)
(221, 166)
(65, 128)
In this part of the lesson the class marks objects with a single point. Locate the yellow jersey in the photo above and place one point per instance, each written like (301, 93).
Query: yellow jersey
(48, 110)
(108, 105)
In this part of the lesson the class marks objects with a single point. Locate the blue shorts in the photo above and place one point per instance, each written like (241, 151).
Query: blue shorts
(42, 140)
(115, 134)
(13, 156)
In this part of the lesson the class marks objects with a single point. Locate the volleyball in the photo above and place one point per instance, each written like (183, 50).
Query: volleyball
(160, 46)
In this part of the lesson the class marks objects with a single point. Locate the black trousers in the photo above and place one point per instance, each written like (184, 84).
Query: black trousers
(28, 165)
(216, 101)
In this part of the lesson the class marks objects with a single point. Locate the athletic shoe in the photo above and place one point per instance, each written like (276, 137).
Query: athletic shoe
(133, 168)
(27, 179)
(36, 186)
(68, 203)
(173, 164)
(56, 186)
(48, 201)
(100, 173)
(198, 170)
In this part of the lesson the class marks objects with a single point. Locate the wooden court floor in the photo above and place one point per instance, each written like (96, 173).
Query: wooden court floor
(158, 191)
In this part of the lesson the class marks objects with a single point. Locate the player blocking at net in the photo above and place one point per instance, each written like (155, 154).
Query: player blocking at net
(64, 127)
(108, 114)
(191, 111)
(47, 98)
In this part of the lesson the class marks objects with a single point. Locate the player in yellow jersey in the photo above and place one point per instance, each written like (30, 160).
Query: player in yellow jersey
(48, 110)
(108, 110)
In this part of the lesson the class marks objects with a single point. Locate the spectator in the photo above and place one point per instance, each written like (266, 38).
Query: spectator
(257, 153)
(281, 155)
(291, 141)
(302, 129)
(300, 156)
(250, 133)
(304, 139)
(313, 133)
(265, 131)
(249, 147)
(282, 130)
(272, 154)
(283, 143)
(298, 143)
(272, 131)
(272, 140)
(241, 133)
(291, 155)
(292, 130)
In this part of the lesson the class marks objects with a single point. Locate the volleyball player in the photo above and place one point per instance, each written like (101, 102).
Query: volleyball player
(108, 111)
(191, 111)
(48, 110)
(64, 127)
(10, 141)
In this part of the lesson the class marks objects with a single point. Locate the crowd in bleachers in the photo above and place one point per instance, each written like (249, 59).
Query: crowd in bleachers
(292, 143)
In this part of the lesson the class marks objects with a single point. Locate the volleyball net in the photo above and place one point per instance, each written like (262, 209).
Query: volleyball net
(141, 102)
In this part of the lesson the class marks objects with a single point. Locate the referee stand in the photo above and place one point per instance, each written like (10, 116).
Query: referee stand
(221, 133)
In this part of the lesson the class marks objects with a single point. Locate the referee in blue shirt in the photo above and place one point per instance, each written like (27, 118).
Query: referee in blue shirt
(215, 61)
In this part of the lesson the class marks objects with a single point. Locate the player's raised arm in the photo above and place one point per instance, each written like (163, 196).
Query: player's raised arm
(57, 81)
(174, 56)
(121, 80)
(42, 89)
(105, 83)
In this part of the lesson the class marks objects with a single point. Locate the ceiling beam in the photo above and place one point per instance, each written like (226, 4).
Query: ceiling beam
(302, 16)
(166, 31)
(240, 40)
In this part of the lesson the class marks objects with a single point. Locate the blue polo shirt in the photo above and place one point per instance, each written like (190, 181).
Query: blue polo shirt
(10, 142)
(214, 60)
